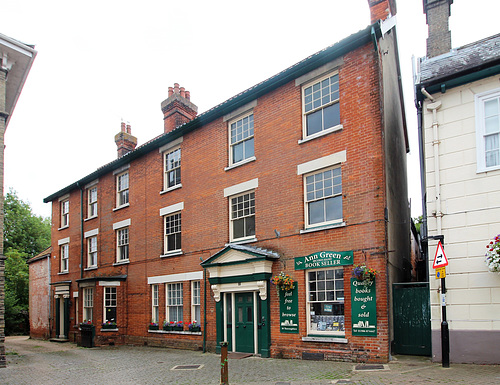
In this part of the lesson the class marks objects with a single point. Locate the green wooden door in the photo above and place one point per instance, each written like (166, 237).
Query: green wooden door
(412, 319)
(244, 322)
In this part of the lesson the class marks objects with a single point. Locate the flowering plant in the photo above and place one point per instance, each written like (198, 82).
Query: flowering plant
(493, 255)
(86, 322)
(363, 273)
(179, 324)
(153, 324)
(283, 281)
(193, 324)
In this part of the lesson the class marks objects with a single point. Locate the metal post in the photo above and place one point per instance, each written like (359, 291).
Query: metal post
(445, 333)
(224, 370)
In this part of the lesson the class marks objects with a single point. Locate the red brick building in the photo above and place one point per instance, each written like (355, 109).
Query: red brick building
(304, 173)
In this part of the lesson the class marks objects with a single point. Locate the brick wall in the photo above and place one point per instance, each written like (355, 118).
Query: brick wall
(279, 205)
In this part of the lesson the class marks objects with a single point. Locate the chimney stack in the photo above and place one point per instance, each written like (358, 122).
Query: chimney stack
(125, 141)
(381, 9)
(437, 18)
(177, 109)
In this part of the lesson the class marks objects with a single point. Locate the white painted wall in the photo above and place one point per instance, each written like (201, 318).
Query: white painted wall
(470, 203)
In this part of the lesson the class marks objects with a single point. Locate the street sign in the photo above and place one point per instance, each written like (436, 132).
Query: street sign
(440, 272)
(440, 259)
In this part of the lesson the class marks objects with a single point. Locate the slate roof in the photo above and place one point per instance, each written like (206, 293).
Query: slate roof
(466, 59)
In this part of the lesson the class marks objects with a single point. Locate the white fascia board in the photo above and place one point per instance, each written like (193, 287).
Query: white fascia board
(121, 224)
(171, 209)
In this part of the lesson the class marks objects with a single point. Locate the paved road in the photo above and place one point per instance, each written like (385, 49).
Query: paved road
(41, 362)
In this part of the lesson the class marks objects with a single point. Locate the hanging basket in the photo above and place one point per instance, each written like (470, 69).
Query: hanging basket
(364, 273)
(283, 282)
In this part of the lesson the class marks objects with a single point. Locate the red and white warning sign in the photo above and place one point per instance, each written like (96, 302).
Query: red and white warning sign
(440, 259)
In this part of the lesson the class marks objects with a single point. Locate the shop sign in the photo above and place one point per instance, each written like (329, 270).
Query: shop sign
(289, 311)
(363, 308)
(324, 259)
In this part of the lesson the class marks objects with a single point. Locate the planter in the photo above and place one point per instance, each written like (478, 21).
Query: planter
(154, 327)
(109, 326)
(195, 329)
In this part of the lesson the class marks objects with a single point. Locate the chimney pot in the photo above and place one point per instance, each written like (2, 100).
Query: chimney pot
(129, 131)
(176, 88)
(188, 95)
(170, 91)
(177, 109)
(123, 126)
(183, 92)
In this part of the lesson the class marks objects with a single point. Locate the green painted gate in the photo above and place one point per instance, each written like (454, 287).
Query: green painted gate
(412, 318)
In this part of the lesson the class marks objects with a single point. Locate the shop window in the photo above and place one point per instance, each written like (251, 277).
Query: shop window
(325, 301)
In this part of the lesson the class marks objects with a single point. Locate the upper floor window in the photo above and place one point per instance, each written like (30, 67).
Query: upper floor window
(122, 189)
(172, 169)
(65, 213)
(321, 105)
(92, 252)
(65, 258)
(488, 130)
(323, 197)
(241, 139)
(122, 242)
(172, 233)
(92, 202)
(242, 216)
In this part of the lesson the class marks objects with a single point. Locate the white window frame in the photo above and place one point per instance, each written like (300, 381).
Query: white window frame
(88, 304)
(64, 213)
(169, 168)
(155, 303)
(92, 202)
(480, 100)
(249, 116)
(122, 191)
(174, 301)
(321, 107)
(340, 301)
(64, 250)
(195, 301)
(176, 231)
(92, 251)
(111, 301)
(123, 244)
(233, 219)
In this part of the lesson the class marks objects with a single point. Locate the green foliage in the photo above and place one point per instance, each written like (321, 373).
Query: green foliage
(418, 222)
(16, 293)
(23, 230)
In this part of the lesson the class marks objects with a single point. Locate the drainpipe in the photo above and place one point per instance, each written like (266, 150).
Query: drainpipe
(434, 106)
(204, 308)
(81, 229)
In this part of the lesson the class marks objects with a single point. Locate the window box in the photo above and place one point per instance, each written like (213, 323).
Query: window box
(154, 326)
(109, 325)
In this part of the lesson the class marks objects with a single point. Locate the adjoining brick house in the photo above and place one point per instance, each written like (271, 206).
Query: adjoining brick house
(39, 296)
(458, 107)
(304, 173)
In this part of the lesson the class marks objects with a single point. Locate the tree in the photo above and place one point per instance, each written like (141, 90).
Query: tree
(24, 231)
(16, 293)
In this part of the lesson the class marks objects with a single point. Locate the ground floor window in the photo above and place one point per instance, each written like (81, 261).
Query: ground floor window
(195, 302)
(110, 304)
(155, 315)
(88, 304)
(325, 301)
(174, 302)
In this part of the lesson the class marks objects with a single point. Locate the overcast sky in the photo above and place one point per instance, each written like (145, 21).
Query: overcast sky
(101, 62)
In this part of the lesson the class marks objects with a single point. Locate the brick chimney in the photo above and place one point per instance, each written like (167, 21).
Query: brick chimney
(437, 14)
(177, 108)
(381, 9)
(125, 141)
